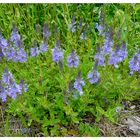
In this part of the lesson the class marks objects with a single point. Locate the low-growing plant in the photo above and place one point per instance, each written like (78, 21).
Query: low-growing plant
(63, 79)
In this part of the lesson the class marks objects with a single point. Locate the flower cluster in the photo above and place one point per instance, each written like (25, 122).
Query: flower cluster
(107, 46)
(46, 31)
(20, 55)
(122, 52)
(57, 53)
(13, 49)
(3, 44)
(43, 47)
(134, 63)
(94, 75)
(118, 55)
(73, 59)
(8, 86)
(79, 82)
(15, 36)
(99, 57)
(114, 58)
(35, 50)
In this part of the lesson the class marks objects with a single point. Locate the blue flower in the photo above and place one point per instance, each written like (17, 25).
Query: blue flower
(118, 55)
(21, 55)
(3, 46)
(57, 53)
(72, 25)
(43, 47)
(7, 77)
(16, 52)
(94, 75)
(23, 85)
(78, 84)
(15, 36)
(73, 59)
(107, 47)
(46, 31)
(122, 53)
(10, 52)
(34, 51)
(3, 42)
(75, 95)
(134, 63)
(13, 89)
(3, 94)
(99, 57)
(100, 29)
(8, 86)
(114, 58)
(73, 29)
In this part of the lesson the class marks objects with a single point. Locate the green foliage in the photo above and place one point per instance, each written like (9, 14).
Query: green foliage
(88, 130)
(47, 105)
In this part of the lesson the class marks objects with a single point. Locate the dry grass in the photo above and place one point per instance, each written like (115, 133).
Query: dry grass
(120, 128)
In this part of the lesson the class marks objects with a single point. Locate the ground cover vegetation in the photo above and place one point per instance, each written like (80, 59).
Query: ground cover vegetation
(63, 67)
